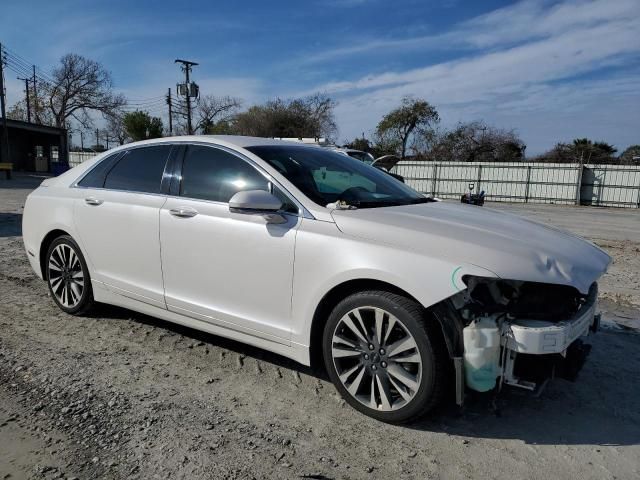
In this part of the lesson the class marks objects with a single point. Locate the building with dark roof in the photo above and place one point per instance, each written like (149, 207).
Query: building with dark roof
(35, 148)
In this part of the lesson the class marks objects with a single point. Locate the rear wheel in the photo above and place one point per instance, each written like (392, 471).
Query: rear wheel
(382, 357)
(68, 276)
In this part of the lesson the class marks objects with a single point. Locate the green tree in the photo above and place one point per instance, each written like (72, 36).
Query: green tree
(221, 127)
(631, 155)
(581, 150)
(586, 151)
(303, 117)
(396, 127)
(359, 143)
(140, 125)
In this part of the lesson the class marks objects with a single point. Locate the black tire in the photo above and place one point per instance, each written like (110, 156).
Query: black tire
(427, 342)
(85, 302)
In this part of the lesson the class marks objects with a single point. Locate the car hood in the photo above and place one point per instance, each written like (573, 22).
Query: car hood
(509, 246)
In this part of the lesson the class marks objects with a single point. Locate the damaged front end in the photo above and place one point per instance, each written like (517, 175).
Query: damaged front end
(508, 332)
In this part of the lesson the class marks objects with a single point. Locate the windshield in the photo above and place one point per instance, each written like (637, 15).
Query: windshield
(328, 177)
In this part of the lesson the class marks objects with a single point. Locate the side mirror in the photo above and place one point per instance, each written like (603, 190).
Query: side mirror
(257, 202)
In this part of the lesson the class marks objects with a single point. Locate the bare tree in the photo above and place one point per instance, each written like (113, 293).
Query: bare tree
(115, 128)
(80, 86)
(19, 112)
(321, 109)
(212, 109)
(476, 141)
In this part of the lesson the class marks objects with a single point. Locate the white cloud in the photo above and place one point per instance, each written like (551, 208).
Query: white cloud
(536, 54)
(525, 20)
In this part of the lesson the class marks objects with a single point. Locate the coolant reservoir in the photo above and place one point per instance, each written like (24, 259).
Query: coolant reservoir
(481, 354)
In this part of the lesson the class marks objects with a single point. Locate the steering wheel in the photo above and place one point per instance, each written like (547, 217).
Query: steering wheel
(353, 193)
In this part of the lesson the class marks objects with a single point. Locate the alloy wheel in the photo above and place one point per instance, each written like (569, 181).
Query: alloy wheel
(376, 358)
(66, 275)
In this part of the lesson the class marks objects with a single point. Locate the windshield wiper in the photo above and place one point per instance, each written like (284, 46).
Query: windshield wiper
(355, 204)
(373, 204)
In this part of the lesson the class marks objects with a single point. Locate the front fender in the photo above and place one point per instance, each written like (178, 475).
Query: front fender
(325, 259)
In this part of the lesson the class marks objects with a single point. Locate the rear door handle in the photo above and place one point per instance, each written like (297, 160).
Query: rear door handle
(183, 212)
(93, 201)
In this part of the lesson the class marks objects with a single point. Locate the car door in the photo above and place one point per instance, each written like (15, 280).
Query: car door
(231, 269)
(117, 220)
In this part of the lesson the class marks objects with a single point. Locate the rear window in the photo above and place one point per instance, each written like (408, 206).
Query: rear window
(95, 177)
(139, 170)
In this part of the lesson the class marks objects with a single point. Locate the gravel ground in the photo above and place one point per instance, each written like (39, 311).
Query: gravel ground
(119, 394)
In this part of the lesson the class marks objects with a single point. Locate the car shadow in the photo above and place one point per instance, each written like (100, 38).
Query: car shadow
(599, 409)
(10, 224)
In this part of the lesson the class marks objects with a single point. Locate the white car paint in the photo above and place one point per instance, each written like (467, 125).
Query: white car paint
(124, 253)
(235, 275)
(216, 260)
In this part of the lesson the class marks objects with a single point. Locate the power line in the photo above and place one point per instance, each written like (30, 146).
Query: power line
(24, 61)
(24, 70)
(143, 100)
(144, 105)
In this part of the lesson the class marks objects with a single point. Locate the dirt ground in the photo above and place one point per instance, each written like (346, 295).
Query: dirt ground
(122, 395)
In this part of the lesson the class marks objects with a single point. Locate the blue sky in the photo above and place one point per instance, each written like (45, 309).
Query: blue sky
(552, 70)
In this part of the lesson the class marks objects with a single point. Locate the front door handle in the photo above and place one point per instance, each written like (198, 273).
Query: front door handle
(93, 201)
(183, 212)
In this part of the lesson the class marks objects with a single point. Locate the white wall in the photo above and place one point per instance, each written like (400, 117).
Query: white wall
(604, 185)
(76, 158)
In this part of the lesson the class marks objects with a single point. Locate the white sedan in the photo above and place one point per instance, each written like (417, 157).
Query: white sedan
(322, 259)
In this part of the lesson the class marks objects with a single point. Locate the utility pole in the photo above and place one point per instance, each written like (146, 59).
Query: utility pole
(35, 96)
(187, 89)
(26, 92)
(97, 140)
(170, 112)
(81, 140)
(4, 151)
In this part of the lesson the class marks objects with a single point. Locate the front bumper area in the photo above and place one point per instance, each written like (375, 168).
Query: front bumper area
(539, 337)
(536, 351)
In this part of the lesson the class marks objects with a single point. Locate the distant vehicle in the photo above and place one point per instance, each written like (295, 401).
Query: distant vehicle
(384, 163)
(320, 258)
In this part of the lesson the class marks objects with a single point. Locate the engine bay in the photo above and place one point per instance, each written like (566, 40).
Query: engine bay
(520, 333)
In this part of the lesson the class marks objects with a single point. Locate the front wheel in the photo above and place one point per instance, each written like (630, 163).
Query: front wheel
(68, 276)
(383, 357)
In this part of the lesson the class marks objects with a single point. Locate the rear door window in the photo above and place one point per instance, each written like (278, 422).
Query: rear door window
(139, 170)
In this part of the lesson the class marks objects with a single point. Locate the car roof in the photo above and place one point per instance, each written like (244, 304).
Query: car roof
(241, 141)
(237, 141)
